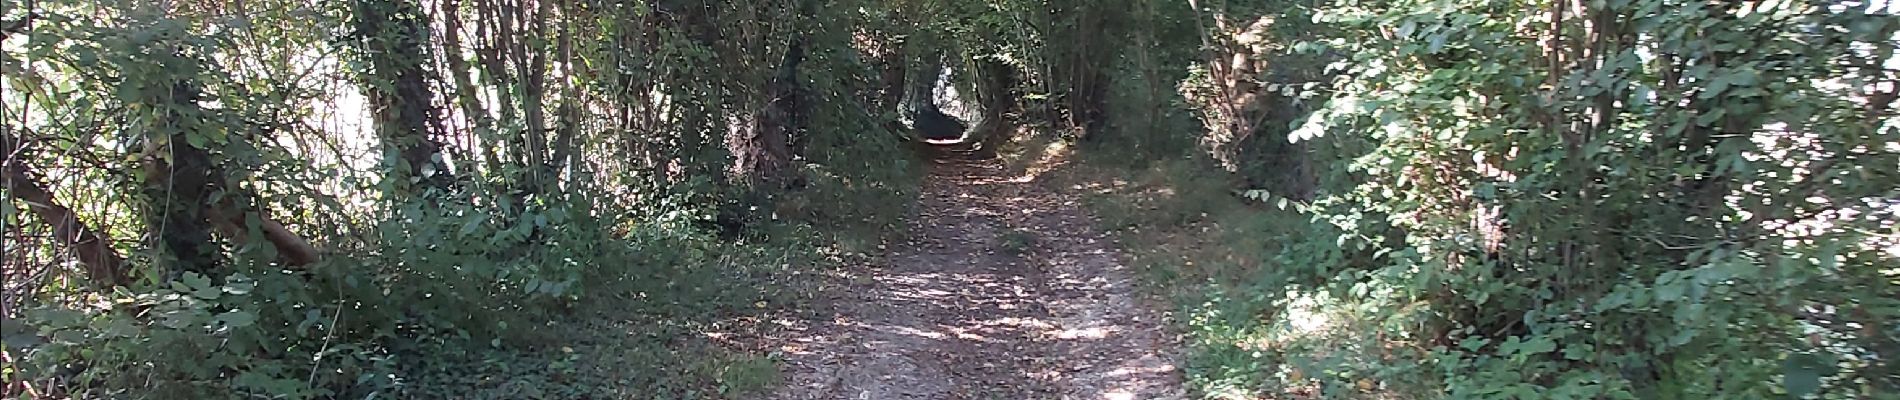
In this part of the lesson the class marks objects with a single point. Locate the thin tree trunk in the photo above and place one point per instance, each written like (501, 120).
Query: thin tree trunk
(994, 81)
(391, 34)
(531, 66)
(465, 90)
(569, 112)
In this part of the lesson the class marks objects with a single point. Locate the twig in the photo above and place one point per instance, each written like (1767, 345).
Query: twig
(312, 380)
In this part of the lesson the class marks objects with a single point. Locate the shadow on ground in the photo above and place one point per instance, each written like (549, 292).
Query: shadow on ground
(1004, 291)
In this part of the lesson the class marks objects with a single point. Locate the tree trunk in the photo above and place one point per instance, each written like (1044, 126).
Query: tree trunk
(760, 141)
(532, 66)
(893, 71)
(995, 79)
(569, 113)
(892, 75)
(180, 180)
(920, 95)
(1082, 66)
(465, 90)
(390, 34)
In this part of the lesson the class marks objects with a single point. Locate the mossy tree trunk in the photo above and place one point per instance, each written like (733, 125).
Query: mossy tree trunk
(390, 35)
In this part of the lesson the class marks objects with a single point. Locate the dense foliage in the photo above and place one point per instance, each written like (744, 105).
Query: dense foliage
(1523, 199)
(1480, 199)
(350, 199)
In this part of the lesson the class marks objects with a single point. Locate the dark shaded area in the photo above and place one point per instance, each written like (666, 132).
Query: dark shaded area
(933, 124)
(995, 83)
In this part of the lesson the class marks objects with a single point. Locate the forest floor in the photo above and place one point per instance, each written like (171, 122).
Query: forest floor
(1005, 289)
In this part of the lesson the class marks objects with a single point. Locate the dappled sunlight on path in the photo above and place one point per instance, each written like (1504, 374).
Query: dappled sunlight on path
(1004, 291)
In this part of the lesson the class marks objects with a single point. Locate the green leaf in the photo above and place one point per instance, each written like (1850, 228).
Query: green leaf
(17, 333)
(120, 328)
(195, 139)
(240, 285)
(195, 281)
(1578, 351)
(1669, 288)
(1538, 345)
(1710, 118)
(472, 224)
(1802, 373)
(1473, 343)
(237, 318)
(197, 285)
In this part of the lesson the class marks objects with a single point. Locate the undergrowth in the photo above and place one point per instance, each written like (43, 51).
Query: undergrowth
(1198, 245)
(1286, 299)
(1215, 256)
(471, 302)
(548, 262)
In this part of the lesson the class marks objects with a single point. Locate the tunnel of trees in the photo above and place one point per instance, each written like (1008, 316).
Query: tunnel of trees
(1565, 199)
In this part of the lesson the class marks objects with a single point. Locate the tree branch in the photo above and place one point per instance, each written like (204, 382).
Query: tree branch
(103, 265)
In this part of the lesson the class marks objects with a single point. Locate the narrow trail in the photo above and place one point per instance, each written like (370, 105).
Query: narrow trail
(1005, 291)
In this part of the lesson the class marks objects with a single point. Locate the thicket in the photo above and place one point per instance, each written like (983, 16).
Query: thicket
(1522, 199)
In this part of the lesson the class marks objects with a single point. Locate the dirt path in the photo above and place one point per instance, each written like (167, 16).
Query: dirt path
(1006, 291)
